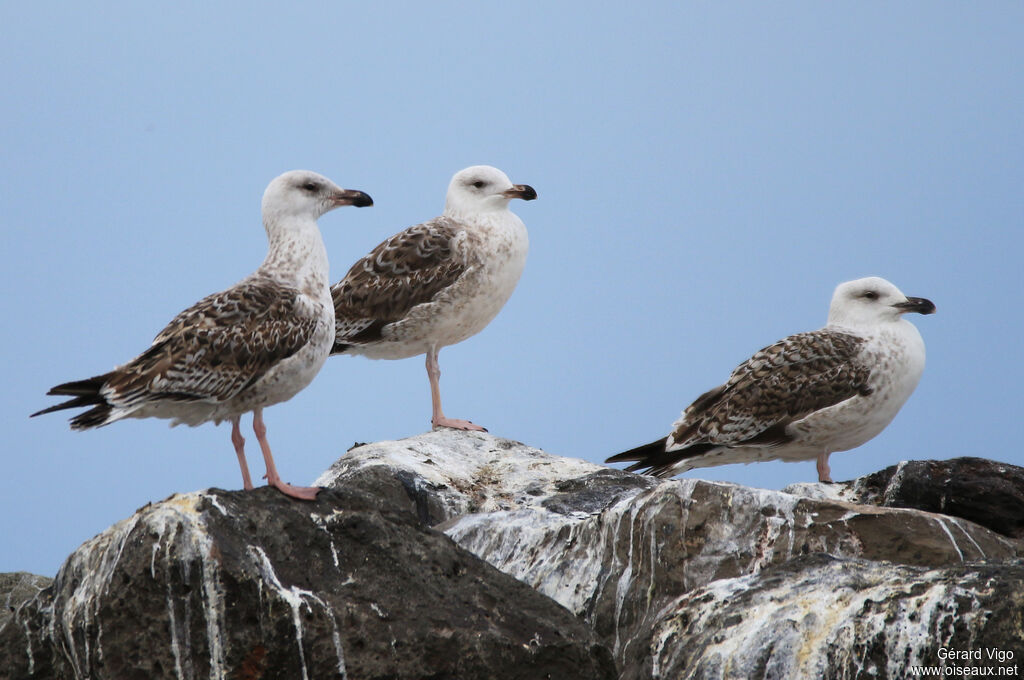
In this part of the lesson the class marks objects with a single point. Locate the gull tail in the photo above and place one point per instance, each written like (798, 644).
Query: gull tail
(653, 459)
(88, 392)
(349, 334)
(340, 347)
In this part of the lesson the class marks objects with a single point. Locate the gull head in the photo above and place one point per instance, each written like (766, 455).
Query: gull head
(306, 194)
(481, 188)
(870, 302)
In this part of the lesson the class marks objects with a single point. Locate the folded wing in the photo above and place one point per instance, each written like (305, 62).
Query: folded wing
(780, 384)
(408, 269)
(210, 352)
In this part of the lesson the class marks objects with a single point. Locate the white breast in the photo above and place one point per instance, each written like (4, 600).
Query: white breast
(898, 354)
(303, 265)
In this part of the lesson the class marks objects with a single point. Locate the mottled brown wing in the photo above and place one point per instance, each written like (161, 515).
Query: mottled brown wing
(778, 385)
(406, 270)
(219, 346)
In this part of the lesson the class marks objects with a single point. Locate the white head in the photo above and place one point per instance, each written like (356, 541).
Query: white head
(304, 194)
(481, 188)
(870, 302)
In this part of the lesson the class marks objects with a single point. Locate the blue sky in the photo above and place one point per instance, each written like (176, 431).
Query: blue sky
(707, 173)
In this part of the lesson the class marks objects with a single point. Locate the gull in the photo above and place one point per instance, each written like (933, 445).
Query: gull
(806, 396)
(258, 343)
(436, 283)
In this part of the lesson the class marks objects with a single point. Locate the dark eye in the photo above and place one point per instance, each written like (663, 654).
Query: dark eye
(870, 295)
(310, 186)
(479, 184)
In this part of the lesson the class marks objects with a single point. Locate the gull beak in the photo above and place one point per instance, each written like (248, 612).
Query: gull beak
(351, 197)
(916, 304)
(523, 191)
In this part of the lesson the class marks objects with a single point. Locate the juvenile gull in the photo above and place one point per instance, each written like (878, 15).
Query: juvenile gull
(436, 283)
(255, 344)
(807, 395)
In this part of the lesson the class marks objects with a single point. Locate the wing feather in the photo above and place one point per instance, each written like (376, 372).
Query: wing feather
(781, 383)
(408, 269)
(219, 346)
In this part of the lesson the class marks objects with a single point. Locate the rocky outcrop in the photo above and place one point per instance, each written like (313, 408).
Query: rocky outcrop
(687, 578)
(16, 588)
(825, 617)
(984, 491)
(254, 585)
(550, 567)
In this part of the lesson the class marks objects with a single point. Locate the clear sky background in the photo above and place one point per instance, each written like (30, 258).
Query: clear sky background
(707, 173)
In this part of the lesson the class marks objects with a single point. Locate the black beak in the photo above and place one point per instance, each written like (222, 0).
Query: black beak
(523, 191)
(351, 197)
(913, 304)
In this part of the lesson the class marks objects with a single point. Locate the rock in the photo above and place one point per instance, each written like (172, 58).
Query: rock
(254, 585)
(440, 475)
(17, 588)
(983, 491)
(823, 617)
(667, 579)
(634, 557)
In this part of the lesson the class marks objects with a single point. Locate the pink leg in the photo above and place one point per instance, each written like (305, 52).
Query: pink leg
(438, 418)
(824, 471)
(239, 441)
(303, 493)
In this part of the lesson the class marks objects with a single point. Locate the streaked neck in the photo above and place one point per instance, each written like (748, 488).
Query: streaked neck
(296, 250)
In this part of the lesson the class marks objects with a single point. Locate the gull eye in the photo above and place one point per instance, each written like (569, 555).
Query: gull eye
(870, 295)
(310, 186)
(479, 184)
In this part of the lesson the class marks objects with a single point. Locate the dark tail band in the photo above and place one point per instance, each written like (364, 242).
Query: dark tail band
(85, 393)
(640, 453)
(653, 459)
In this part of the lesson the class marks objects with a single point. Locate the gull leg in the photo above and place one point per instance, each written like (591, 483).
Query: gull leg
(303, 493)
(438, 419)
(824, 471)
(239, 441)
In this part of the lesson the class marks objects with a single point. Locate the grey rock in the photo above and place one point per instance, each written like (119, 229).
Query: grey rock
(254, 585)
(629, 554)
(16, 588)
(830, 618)
(983, 491)
(615, 575)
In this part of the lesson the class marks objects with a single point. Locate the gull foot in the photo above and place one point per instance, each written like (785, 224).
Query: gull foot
(302, 493)
(456, 424)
